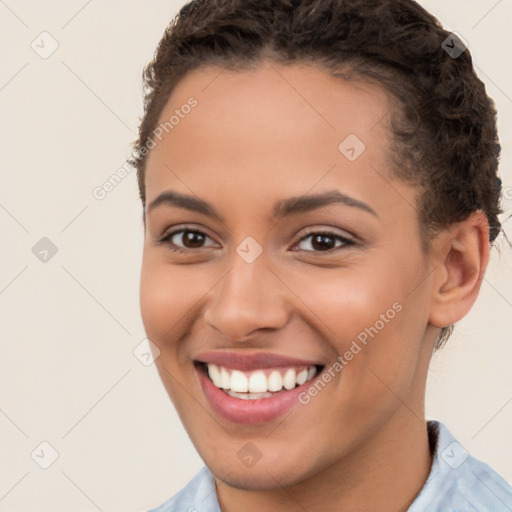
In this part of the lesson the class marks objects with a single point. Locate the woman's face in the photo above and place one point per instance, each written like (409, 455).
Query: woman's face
(279, 280)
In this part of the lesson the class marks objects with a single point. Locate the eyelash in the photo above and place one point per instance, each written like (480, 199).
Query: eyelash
(173, 247)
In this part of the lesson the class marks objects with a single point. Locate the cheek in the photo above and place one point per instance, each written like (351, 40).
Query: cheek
(165, 297)
(166, 300)
(347, 300)
(372, 320)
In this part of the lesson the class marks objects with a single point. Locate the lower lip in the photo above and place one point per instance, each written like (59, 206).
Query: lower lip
(260, 410)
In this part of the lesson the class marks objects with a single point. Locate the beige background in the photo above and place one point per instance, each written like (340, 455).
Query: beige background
(68, 327)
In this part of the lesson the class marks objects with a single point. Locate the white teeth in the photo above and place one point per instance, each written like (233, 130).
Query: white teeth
(275, 381)
(225, 379)
(239, 382)
(214, 373)
(302, 376)
(249, 396)
(256, 384)
(289, 379)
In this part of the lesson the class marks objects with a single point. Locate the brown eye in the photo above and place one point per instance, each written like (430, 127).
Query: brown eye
(188, 238)
(324, 241)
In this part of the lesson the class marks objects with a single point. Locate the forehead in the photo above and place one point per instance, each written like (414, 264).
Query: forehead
(283, 127)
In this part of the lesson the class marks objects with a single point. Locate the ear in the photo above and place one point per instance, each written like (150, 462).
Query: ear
(460, 258)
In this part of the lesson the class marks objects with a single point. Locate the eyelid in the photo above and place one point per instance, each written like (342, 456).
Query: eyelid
(346, 239)
(172, 230)
(330, 231)
(169, 233)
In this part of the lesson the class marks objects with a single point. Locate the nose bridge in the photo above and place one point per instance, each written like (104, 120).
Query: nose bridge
(249, 297)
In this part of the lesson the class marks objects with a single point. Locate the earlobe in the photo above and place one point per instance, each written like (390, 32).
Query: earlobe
(462, 255)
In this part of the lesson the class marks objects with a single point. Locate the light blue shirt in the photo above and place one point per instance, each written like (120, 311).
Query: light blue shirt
(457, 483)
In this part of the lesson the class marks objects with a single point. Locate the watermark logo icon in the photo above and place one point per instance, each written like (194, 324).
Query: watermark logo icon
(454, 45)
(146, 352)
(44, 455)
(44, 250)
(352, 147)
(249, 249)
(45, 45)
(249, 455)
(454, 455)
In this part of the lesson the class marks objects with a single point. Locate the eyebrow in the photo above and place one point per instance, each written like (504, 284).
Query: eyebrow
(283, 208)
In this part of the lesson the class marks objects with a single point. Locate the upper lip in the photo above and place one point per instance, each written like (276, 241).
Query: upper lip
(246, 362)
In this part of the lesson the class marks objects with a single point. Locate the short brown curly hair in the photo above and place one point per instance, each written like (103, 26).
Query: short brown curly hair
(443, 128)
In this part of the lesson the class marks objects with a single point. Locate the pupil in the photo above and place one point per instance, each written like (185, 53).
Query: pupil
(323, 243)
(189, 238)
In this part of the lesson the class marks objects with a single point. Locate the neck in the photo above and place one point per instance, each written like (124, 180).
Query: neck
(387, 473)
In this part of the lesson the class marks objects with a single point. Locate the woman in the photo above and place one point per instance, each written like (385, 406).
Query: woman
(320, 192)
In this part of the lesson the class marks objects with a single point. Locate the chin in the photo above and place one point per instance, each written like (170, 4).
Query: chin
(269, 473)
(258, 478)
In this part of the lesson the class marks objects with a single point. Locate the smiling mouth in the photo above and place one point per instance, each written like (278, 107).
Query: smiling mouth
(258, 383)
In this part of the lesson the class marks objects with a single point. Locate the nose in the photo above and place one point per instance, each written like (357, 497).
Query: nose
(249, 298)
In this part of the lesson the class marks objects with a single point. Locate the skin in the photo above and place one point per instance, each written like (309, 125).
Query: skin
(257, 137)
